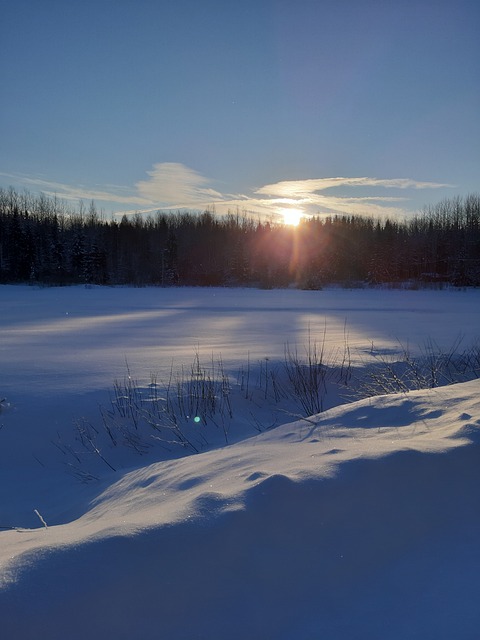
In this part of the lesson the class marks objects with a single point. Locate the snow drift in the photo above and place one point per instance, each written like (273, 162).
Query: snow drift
(360, 522)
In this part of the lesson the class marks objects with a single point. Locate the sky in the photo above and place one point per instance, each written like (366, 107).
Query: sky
(320, 107)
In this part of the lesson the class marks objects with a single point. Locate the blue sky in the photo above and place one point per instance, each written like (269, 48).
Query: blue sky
(263, 105)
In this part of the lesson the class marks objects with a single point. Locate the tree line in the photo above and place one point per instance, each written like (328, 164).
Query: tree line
(43, 240)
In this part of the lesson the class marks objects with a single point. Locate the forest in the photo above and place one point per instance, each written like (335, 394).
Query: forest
(44, 241)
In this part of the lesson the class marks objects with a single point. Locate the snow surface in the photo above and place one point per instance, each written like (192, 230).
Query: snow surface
(359, 522)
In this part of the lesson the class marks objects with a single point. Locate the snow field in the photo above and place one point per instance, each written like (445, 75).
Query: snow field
(360, 522)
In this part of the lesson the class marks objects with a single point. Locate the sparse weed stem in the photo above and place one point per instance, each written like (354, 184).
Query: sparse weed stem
(199, 406)
(403, 372)
(308, 376)
(87, 435)
(345, 372)
(246, 380)
(81, 474)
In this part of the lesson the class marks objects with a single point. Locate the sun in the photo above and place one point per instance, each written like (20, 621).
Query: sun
(292, 216)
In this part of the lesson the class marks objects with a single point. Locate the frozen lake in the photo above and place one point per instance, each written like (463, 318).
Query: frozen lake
(78, 339)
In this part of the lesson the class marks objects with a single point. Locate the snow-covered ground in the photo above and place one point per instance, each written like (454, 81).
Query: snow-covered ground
(359, 522)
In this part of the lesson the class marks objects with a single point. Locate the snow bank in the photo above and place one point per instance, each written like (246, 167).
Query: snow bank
(362, 522)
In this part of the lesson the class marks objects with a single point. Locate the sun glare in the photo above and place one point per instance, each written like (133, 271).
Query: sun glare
(292, 216)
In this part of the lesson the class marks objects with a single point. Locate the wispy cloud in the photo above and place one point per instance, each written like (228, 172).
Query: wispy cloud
(172, 185)
(299, 188)
(310, 195)
(116, 194)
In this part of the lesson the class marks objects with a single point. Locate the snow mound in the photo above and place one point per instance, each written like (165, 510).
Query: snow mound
(361, 522)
